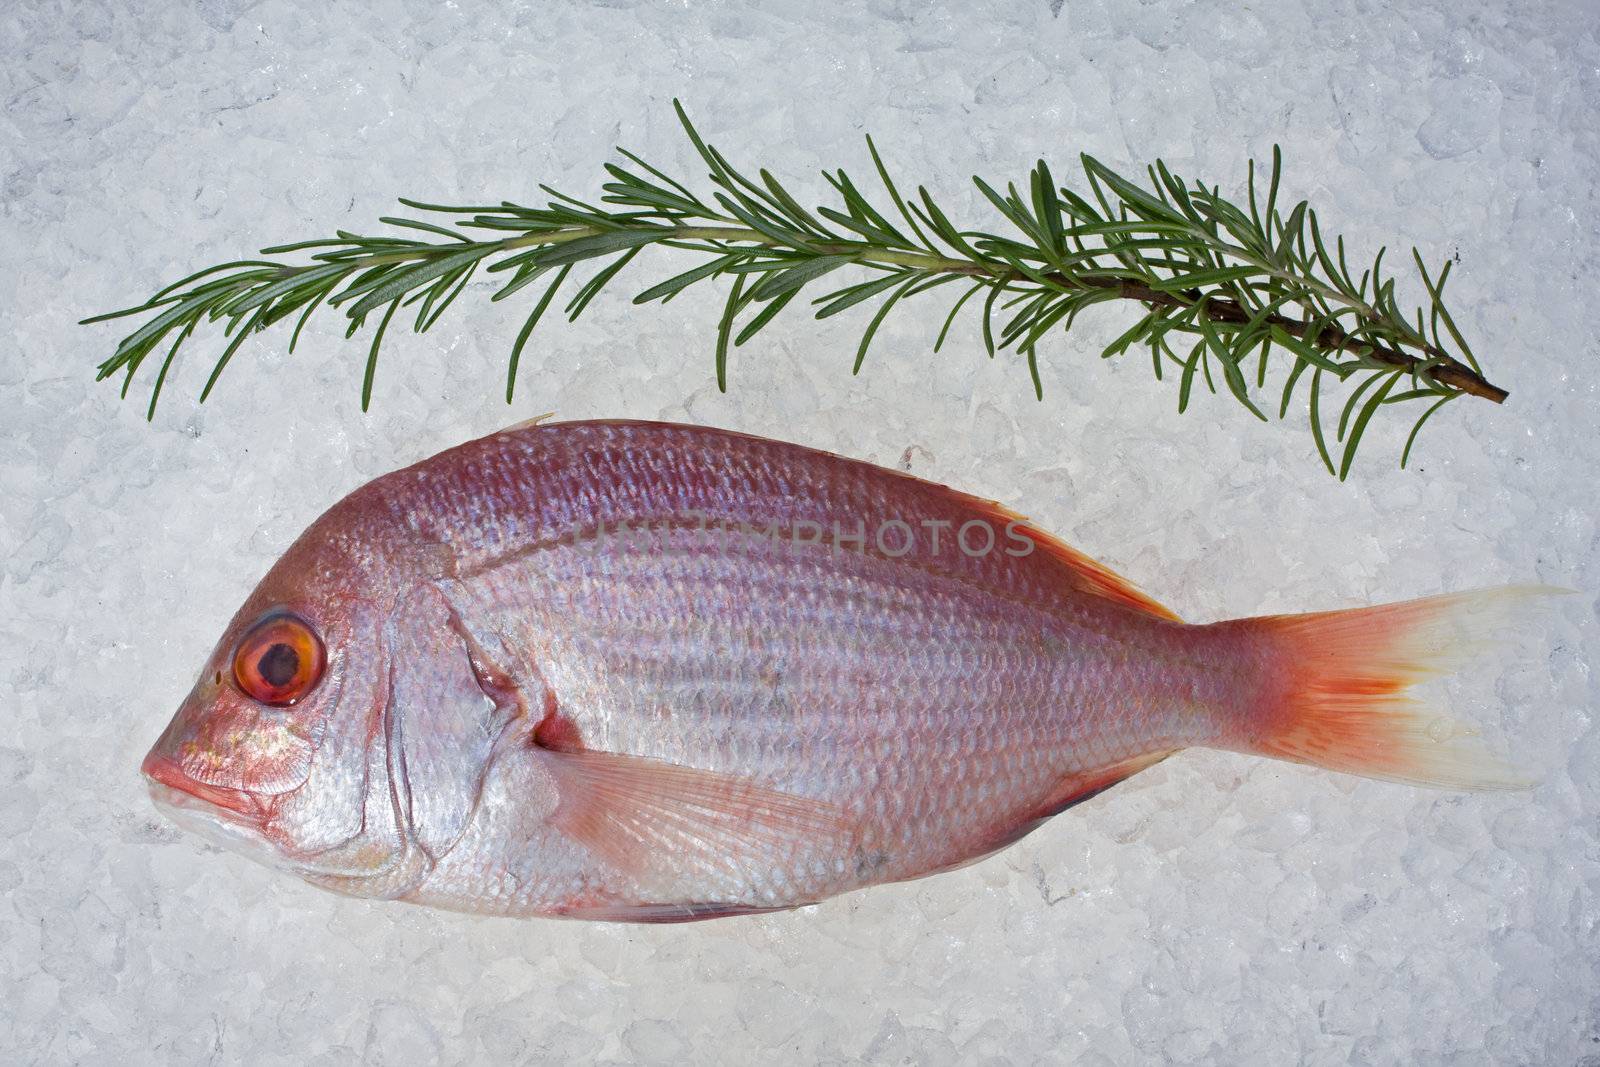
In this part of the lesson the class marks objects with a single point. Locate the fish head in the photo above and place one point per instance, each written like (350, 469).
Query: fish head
(278, 751)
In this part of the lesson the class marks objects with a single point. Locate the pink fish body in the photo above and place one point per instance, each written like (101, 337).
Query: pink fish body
(647, 672)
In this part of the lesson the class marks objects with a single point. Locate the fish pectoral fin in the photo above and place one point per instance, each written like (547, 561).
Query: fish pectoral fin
(639, 813)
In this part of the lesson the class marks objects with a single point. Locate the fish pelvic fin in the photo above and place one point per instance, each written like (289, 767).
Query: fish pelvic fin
(1335, 694)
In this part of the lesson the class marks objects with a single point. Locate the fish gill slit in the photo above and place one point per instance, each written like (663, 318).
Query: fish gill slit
(399, 776)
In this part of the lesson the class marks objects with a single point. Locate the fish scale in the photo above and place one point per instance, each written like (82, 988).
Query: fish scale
(638, 671)
(631, 625)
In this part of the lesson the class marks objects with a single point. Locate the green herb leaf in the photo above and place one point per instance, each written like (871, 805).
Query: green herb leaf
(1235, 281)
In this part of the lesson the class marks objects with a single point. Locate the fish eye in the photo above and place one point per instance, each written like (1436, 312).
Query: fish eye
(279, 660)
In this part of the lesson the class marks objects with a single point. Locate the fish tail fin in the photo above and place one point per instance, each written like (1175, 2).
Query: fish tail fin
(1335, 689)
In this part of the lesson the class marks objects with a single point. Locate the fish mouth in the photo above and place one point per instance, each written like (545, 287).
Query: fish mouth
(172, 788)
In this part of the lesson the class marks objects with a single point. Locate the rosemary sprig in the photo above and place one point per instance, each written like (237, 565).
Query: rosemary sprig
(1221, 287)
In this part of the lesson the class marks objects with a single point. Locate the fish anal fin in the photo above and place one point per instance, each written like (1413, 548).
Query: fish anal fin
(1072, 791)
(1077, 788)
(689, 912)
(639, 813)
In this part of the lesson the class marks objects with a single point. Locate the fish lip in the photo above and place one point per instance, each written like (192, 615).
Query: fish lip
(168, 783)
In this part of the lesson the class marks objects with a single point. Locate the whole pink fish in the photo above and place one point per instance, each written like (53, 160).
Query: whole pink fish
(646, 672)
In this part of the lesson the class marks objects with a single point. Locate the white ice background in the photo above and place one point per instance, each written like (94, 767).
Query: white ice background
(1218, 908)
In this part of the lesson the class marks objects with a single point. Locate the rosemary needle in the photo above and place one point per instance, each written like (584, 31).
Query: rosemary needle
(1223, 291)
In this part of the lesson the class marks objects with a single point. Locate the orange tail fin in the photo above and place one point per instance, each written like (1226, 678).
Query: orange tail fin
(1339, 699)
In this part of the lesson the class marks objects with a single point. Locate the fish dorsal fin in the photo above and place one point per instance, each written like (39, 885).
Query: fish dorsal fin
(1085, 574)
(637, 813)
(527, 424)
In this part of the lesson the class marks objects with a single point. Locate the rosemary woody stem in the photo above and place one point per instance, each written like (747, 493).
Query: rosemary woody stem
(1440, 367)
